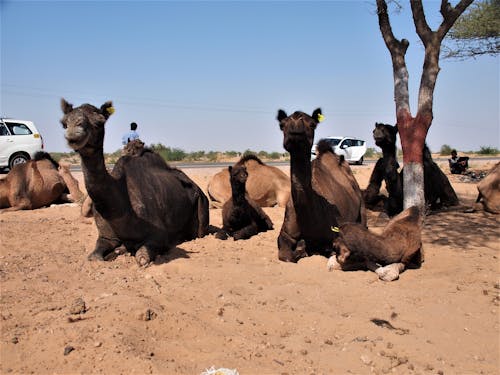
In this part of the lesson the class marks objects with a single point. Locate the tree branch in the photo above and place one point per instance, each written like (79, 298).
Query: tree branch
(450, 15)
(397, 50)
(421, 26)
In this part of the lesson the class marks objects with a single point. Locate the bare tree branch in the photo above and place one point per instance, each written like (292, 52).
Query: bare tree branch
(450, 15)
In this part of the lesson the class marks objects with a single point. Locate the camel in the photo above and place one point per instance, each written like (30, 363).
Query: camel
(143, 204)
(386, 169)
(242, 217)
(387, 254)
(266, 185)
(38, 183)
(324, 192)
(437, 188)
(489, 190)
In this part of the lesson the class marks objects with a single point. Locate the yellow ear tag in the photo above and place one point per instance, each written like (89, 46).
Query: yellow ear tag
(321, 118)
(110, 110)
(335, 229)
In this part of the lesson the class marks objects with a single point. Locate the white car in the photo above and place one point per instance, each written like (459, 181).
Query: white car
(351, 148)
(19, 142)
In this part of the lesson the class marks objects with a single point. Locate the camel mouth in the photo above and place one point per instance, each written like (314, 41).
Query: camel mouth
(76, 143)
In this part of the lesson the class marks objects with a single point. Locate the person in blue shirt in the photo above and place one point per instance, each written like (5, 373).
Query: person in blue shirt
(131, 135)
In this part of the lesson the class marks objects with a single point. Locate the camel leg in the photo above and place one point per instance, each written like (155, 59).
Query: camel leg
(390, 272)
(221, 234)
(145, 255)
(75, 193)
(246, 232)
(103, 248)
(333, 264)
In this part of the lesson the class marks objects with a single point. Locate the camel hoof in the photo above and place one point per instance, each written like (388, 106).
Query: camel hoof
(389, 272)
(333, 264)
(142, 257)
(221, 235)
(95, 256)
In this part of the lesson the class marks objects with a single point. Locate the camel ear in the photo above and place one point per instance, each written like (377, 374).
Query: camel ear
(229, 169)
(317, 115)
(281, 115)
(107, 109)
(395, 129)
(66, 107)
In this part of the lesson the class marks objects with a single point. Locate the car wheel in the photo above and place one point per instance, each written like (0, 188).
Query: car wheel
(360, 161)
(18, 159)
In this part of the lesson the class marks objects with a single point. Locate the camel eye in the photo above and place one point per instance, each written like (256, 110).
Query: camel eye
(64, 124)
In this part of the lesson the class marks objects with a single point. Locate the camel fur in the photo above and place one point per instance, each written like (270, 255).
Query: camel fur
(132, 148)
(37, 183)
(266, 185)
(242, 217)
(489, 190)
(437, 188)
(143, 204)
(388, 253)
(324, 192)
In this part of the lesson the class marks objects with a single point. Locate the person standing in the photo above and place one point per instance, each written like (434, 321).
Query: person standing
(131, 135)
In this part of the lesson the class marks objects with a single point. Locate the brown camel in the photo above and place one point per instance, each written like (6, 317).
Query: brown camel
(242, 217)
(325, 193)
(389, 253)
(489, 190)
(143, 204)
(38, 183)
(266, 185)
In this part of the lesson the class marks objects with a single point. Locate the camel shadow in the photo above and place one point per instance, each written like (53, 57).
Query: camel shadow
(460, 229)
(171, 255)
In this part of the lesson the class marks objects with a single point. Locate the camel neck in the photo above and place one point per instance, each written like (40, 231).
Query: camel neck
(389, 152)
(238, 192)
(301, 174)
(98, 181)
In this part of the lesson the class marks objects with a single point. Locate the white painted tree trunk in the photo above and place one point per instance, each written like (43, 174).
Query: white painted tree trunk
(413, 186)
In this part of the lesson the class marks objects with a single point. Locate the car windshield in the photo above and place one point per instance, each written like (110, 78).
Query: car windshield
(334, 141)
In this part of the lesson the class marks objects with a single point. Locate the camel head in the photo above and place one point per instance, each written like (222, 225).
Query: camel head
(238, 174)
(298, 130)
(384, 135)
(85, 125)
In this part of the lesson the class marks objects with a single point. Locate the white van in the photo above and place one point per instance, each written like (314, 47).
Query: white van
(351, 148)
(19, 141)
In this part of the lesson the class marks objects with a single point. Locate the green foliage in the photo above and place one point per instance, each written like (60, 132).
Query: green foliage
(370, 152)
(212, 156)
(476, 32)
(445, 150)
(486, 150)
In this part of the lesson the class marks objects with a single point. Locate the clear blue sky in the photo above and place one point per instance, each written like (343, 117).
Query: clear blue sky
(212, 75)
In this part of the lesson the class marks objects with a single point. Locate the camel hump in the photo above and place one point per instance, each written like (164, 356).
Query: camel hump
(323, 146)
(248, 157)
(42, 155)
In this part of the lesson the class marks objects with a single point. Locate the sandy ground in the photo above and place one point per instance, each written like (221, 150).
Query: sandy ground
(234, 305)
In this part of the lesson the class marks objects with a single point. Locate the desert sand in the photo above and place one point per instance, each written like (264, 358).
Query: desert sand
(232, 304)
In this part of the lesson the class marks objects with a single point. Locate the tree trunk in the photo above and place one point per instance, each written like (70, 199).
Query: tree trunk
(413, 131)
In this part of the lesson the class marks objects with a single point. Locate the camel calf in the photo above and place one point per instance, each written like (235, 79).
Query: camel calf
(397, 247)
(242, 217)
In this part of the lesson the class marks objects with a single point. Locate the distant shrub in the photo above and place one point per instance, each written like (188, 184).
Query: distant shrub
(231, 154)
(487, 150)
(445, 150)
(370, 152)
(212, 156)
